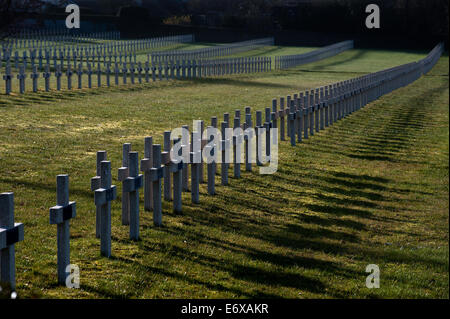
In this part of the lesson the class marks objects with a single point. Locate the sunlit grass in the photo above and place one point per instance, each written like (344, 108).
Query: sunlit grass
(371, 189)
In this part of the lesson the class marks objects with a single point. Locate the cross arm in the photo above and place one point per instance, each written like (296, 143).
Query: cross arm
(58, 214)
(11, 236)
(102, 195)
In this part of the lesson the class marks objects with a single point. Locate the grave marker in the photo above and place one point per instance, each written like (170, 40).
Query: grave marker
(96, 184)
(10, 234)
(131, 185)
(61, 215)
(157, 173)
(123, 174)
(167, 179)
(34, 76)
(21, 77)
(225, 146)
(103, 197)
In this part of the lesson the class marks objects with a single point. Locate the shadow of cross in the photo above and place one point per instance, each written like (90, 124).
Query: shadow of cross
(61, 215)
(10, 233)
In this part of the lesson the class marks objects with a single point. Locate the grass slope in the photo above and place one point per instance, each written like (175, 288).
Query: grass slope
(373, 188)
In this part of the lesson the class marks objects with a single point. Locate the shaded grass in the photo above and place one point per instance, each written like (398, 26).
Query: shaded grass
(373, 188)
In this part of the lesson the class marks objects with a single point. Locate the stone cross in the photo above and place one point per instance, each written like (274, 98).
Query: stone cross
(61, 215)
(21, 77)
(146, 69)
(166, 70)
(327, 107)
(268, 126)
(273, 125)
(224, 148)
(288, 122)
(274, 110)
(124, 73)
(211, 150)
(132, 70)
(80, 74)
(259, 132)
(248, 129)
(299, 118)
(167, 179)
(139, 69)
(292, 116)
(96, 184)
(123, 174)
(131, 185)
(160, 72)
(305, 115)
(186, 148)
(153, 72)
(116, 74)
(7, 77)
(58, 75)
(176, 169)
(146, 165)
(281, 115)
(331, 99)
(69, 74)
(237, 147)
(99, 75)
(108, 74)
(10, 234)
(200, 128)
(322, 109)
(311, 113)
(46, 75)
(89, 73)
(103, 197)
(34, 76)
(156, 174)
(195, 171)
(316, 111)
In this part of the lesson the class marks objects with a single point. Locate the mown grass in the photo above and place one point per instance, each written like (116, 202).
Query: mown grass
(371, 189)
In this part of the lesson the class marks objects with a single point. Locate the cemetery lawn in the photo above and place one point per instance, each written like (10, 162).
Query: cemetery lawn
(371, 189)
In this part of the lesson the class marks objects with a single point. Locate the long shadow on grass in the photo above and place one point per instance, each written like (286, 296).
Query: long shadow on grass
(339, 59)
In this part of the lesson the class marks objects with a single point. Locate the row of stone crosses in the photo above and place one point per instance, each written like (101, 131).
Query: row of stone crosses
(45, 38)
(305, 113)
(289, 61)
(116, 51)
(58, 56)
(137, 72)
(209, 52)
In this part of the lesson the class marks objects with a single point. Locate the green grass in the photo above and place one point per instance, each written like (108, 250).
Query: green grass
(371, 189)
